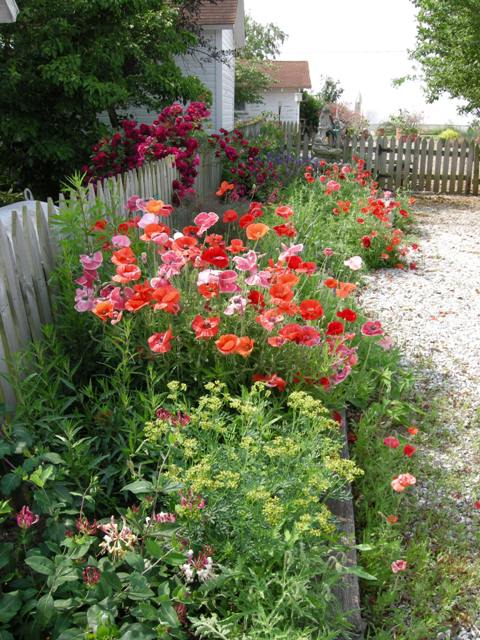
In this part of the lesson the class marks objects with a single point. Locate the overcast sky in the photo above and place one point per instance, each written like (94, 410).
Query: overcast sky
(362, 44)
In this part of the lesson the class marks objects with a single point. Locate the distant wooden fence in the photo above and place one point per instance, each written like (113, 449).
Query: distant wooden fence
(28, 249)
(421, 165)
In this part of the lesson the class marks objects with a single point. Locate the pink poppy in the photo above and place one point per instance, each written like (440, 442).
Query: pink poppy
(391, 442)
(121, 241)
(91, 263)
(227, 282)
(127, 273)
(398, 565)
(354, 263)
(160, 342)
(288, 252)
(146, 219)
(247, 262)
(401, 482)
(328, 252)
(372, 328)
(386, 343)
(236, 305)
(204, 221)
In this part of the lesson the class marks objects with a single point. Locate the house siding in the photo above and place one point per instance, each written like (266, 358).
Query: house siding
(228, 81)
(290, 111)
(198, 65)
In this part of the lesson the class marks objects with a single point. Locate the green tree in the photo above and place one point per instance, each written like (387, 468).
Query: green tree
(64, 62)
(331, 91)
(262, 44)
(312, 103)
(447, 48)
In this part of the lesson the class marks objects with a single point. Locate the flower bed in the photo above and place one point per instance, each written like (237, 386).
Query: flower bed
(173, 450)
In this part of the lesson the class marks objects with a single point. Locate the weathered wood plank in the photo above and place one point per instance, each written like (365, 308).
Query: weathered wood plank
(445, 170)
(461, 167)
(415, 164)
(438, 166)
(452, 185)
(476, 170)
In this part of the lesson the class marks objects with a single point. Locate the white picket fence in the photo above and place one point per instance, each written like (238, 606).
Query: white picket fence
(28, 249)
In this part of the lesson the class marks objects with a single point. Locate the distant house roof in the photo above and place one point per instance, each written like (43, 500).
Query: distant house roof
(286, 74)
(8, 11)
(216, 13)
(290, 74)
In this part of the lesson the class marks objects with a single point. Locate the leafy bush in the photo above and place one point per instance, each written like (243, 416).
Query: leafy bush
(449, 134)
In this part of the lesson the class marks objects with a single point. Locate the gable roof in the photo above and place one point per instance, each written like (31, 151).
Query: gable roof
(289, 74)
(219, 12)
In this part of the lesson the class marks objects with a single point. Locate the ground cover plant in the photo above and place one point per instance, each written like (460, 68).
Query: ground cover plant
(188, 370)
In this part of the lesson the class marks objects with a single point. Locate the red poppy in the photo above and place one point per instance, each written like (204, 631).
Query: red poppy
(191, 230)
(123, 256)
(209, 290)
(273, 381)
(366, 242)
(335, 328)
(99, 225)
(205, 328)
(311, 309)
(409, 450)
(230, 216)
(256, 298)
(287, 230)
(347, 314)
(246, 219)
(161, 342)
(236, 246)
(331, 283)
(293, 262)
(392, 519)
(127, 273)
(412, 431)
(141, 297)
(372, 328)
(392, 442)
(477, 504)
(284, 212)
(291, 332)
(215, 256)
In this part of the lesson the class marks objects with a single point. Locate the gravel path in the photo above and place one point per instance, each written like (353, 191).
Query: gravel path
(433, 313)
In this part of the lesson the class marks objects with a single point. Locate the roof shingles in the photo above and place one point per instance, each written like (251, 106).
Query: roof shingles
(217, 13)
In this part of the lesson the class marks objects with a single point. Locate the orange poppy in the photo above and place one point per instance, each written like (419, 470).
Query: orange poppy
(288, 278)
(344, 289)
(331, 283)
(166, 299)
(256, 231)
(158, 207)
(244, 346)
(227, 343)
(236, 246)
(103, 310)
(281, 292)
(224, 187)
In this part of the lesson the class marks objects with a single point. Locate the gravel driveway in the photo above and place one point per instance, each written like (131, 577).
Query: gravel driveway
(433, 314)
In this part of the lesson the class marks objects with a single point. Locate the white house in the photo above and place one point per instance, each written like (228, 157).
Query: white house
(223, 26)
(8, 11)
(282, 99)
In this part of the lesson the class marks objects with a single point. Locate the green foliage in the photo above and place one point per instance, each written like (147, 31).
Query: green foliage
(57, 73)
(408, 123)
(262, 41)
(262, 44)
(449, 134)
(447, 49)
(310, 108)
(331, 91)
